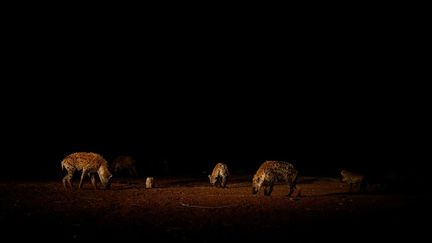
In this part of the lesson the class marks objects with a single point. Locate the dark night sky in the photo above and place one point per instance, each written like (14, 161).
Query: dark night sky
(194, 133)
(229, 102)
(247, 96)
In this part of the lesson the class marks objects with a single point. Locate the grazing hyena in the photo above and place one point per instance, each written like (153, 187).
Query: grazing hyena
(219, 175)
(353, 179)
(124, 163)
(89, 163)
(273, 171)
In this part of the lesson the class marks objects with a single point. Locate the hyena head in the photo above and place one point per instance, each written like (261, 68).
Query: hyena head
(213, 179)
(105, 176)
(343, 176)
(257, 182)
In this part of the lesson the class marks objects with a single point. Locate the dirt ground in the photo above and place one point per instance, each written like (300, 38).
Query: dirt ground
(189, 209)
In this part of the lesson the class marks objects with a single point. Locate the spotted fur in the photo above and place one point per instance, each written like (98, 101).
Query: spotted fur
(89, 163)
(220, 175)
(271, 172)
(353, 180)
(124, 163)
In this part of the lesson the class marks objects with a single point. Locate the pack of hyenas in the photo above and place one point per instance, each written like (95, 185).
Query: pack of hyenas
(269, 173)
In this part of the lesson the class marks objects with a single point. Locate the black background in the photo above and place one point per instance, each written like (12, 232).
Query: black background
(329, 93)
(194, 125)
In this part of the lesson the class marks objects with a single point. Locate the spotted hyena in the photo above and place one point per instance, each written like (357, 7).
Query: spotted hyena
(271, 172)
(89, 163)
(219, 175)
(124, 163)
(353, 180)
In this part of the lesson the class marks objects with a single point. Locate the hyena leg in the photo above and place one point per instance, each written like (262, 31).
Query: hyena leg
(82, 178)
(218, 181)
(292, 183)
(223, 181)
(268, 190)
(132, 172)
(93, 181)
(292, 187)
(67, 178)
(360, 187)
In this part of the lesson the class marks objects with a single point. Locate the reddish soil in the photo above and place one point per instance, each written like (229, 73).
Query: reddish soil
(189, 209)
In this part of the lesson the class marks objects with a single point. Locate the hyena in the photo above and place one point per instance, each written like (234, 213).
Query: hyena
(353, 179)
(124, 163)
(89, 163)
(271, 172)
(219, 175)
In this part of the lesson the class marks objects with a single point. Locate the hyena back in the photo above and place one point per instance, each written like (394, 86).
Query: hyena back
(124, 163)
(89, 163)
(353, 180)
(219, 175)
(271, 172)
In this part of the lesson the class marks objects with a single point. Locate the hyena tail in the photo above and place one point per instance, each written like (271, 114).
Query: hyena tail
(62, 165)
